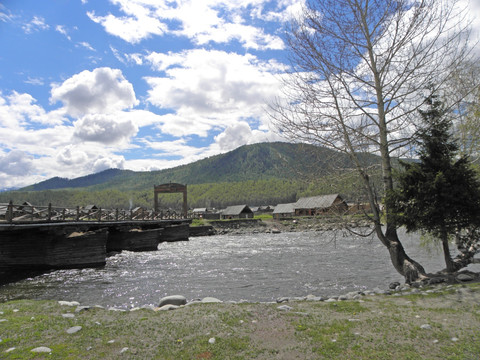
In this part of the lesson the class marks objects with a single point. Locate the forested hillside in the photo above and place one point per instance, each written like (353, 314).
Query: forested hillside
(260, 174)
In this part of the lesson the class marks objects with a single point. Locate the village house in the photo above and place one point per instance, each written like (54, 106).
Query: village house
(237, 212)
(205, 213)
(284, 211)
(198, 213)
(322, 204)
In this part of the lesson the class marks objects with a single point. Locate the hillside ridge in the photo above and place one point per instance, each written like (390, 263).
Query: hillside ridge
(249, 162)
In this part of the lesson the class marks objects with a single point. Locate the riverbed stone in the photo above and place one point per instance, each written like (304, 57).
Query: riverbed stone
(41, 349)
(394, 285)
(210, 299)
(172, 300)
(167, 307)
(68, 303)
(284, 308)
(116, 309)
(74, 329)
(465, 277)
(353, 295)
(82, 308)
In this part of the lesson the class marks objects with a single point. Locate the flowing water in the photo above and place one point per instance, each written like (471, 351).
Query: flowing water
(258, 267)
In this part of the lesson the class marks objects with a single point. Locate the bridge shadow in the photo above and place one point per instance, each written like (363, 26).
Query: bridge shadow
(14, 275)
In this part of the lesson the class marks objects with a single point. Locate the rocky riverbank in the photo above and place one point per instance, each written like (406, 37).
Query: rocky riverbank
(435, 322)
(252, 226)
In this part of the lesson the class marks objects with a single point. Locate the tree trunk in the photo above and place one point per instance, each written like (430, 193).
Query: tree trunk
(446, 251)
(405, 266)
(410, 269)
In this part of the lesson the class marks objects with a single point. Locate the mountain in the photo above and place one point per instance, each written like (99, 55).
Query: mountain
(259, 174)
(249, 162)
(84, 181)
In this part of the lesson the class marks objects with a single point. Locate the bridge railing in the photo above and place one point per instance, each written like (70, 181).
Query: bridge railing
(26, 212)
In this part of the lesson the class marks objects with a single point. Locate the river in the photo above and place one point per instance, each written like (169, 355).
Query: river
(256, 267)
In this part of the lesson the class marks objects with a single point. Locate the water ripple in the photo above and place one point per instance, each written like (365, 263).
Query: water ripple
(262, 267)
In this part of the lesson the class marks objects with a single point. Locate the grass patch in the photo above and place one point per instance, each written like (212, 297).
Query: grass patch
(198, 222)
(263, 216)
(378, 328)
(328, 340)
(347, 307)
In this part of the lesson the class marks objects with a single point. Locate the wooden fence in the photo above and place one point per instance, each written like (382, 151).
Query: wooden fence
(26, 212)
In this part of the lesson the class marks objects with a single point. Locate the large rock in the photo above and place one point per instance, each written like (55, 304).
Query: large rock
(394, 285)
(209, 299)
(167, 307)
(177, 300)
(74, 330)
(465, 277)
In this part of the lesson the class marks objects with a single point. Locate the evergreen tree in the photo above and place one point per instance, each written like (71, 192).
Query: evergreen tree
(440, 194)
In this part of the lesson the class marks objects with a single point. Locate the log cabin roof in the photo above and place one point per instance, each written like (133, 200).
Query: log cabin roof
(317, 202)
(284, 208)
(237, 210)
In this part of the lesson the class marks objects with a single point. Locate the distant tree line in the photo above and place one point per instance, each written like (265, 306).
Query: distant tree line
(210, 195)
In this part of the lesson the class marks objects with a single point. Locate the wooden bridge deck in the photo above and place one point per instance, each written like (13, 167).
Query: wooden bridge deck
(32, 238)
(28, 213)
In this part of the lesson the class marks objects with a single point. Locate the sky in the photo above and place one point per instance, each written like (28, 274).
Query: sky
(88, 85)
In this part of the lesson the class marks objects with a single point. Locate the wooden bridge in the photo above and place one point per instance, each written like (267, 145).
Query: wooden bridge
(27, 213)
(48, 237)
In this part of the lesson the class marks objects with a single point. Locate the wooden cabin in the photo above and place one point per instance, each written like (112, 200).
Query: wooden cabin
(199, 213)
(318, 205)
(284, 211)
(237, 212)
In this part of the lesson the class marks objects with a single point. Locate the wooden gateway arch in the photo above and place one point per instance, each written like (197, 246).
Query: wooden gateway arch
(171, 188)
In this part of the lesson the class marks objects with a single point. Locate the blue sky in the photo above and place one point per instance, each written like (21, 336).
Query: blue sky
(134, 84)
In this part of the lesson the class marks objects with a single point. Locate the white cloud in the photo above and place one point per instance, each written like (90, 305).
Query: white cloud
(107, 129)
(62, 30)
(35, 145)
(102, 90)
(16, 163)
(36, 24)
(209, 89)
(222, 22)
(34, 81)
(111, 162)
(283, 12)
(3, 15)
(85, 45)
(138, 26)
(71, 155)
(174, 148)
(241, 134)
(203, 21)
(475, 18)
(17, 110)
(136, 58)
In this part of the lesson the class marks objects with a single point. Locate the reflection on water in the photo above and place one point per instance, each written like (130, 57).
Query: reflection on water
(259, 267)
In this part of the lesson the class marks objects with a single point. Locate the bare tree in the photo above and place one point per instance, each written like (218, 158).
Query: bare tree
(464, 86)
(360, 70)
